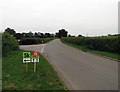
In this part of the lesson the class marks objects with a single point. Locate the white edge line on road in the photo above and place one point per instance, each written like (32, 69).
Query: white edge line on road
(42, 48)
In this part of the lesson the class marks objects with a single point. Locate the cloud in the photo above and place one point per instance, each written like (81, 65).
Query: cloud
(78, 16)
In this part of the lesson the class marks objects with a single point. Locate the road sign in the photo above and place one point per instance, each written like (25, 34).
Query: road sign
(34, 60)
(35, 53)
(35, 56)
(26, 57)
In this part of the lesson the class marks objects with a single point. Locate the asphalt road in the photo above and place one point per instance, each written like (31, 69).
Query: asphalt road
(80, 70)
(37, 48)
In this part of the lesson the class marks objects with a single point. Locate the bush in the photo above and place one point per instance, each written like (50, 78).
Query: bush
(107, 43)
(9, 43)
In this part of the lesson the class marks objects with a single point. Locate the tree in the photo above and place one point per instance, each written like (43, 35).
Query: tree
(36, 35)
(62, 33)
(10, 31)
(30, 34)
(18, 36)
(42, 35)
(56, 34)
(23, 35)
(109, 35)
(52, 35)
(79, 35)
(47, 35)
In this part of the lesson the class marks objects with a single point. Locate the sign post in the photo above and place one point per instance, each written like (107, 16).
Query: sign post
(26, 67)
(26, 59)
(35, 58)
(34, 66)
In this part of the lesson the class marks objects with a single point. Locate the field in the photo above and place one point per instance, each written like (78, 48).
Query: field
(15, 77)
(105, 46)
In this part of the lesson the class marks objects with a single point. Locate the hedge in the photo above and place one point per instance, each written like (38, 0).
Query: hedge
(30, 41)
(105, 43)
(9, 43)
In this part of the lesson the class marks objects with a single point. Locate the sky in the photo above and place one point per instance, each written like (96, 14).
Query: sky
(85, 17)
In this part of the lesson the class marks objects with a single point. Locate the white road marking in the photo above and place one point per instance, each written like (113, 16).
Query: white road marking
(42, 48)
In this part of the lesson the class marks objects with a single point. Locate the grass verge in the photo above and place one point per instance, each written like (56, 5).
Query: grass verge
(101, 53)
(15, 77)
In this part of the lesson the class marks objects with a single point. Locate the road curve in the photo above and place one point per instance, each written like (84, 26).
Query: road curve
(80, 70)
(37, 48)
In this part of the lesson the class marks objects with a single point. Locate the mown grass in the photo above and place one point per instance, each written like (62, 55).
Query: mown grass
(15, 77)
(101, 53)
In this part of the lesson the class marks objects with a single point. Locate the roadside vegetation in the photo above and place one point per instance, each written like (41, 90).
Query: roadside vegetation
(30, 38)
(36, 37)
(29, 41)
(14, 76)
(105, 46)
(9, 43)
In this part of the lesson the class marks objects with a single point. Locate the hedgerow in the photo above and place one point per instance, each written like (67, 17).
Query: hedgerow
(105, 43)
(30, 41)
(9, 43)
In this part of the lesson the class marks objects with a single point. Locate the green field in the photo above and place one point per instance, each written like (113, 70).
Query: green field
(15, 77)
(101, 53)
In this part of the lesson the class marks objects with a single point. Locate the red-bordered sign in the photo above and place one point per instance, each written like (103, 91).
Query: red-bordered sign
(35, 53)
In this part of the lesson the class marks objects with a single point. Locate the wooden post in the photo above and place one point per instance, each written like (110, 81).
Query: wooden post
(34, 66)
(40, 66)
(27, 67)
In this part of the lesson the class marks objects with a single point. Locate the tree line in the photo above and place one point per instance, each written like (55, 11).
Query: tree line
(59, 34)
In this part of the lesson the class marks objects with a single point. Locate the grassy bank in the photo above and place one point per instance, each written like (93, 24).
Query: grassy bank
(101, 53)
(16, 78)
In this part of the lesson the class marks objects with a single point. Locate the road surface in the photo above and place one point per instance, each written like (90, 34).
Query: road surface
(80, 70)
(37, 48)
